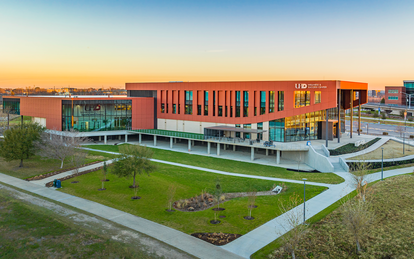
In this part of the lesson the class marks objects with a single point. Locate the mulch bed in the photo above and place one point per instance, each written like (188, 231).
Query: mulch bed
(43, 176)
(248, 218)
(50, 184)
(217, 239)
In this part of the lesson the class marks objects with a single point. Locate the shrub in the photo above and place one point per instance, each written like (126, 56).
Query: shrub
(385, 133)
(350, 148)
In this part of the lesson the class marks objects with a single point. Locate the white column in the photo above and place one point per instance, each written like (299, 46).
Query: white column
(278, 157)
(218, 149)
(267, 152)
(155, 140)
(192, 143)
(171, 142)
(234, 147)
(252, 153)
(208, 147)
(225, 146)
(175, 141)
(119, 137)
(189, 145)
(99, 138)
(105, 138)
(140, 138)
(126, 138)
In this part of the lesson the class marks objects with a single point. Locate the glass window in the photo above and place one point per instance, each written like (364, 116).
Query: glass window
(11, 106)
(260, 125)
(280, 100)
(245, 103)
(302, 98)
(262, 102)
(237, 103)
(205, 103)
(174, 108)
(317, 97)
(220, 111)
(162, 108)
(392, 97)
(199, 109)
(393, 91)
(188, 102)
(271, 101)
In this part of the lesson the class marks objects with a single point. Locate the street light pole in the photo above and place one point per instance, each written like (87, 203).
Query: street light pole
(304, 200)
(405, 129)
(382, 164)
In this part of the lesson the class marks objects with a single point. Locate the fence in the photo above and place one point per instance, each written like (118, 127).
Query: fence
(171, 133)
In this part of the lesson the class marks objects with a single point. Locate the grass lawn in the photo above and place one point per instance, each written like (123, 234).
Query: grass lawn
(30, 231)
(18, 120)
(38, 165)
(392, 201)
(392, 149)
(232, 166)
(189, 183)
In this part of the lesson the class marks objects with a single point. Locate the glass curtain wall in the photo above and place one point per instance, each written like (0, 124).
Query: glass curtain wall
(299, 127)
(96, 115)
(271, 101)
(11, 105)
(205, 102)
(281, 100)
(188, 102)
(245, 103)
(237, 103)
(262, 102)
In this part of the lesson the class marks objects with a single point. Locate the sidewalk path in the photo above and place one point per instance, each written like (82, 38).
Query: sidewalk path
(222, 172)
(256, 239)
(184, 242)
(43, 182)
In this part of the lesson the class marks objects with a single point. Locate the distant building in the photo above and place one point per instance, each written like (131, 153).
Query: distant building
(395, 95)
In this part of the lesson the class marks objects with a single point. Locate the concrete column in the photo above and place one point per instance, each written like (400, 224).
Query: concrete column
(126, 138)
(208, 147)
(359, 113)
(119, 137)
(193, 143)
(105, 138)
(252, 153)
(140, 138)
(234, 147)
(100, 138)
(278, 157)
(189, 145)
(171, 142)
(175, 141)
(267, 152)
(155, 140)
(218, 149)
(352, 113)
(225, 146)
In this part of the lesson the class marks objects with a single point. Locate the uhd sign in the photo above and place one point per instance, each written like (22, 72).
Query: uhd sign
(301, 86)
(304, 86)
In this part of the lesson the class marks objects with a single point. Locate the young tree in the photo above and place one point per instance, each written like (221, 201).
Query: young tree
(218, 192)
(170, 194)
(251, 202)
(359, 175)
(62, 145)
(293, 229)
(19, 142)
(133, 160)
(104, 171)
(357, 217)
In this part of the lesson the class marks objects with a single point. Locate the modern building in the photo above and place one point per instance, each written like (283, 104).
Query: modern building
(261, 118)
(281, 111)
(395, 95)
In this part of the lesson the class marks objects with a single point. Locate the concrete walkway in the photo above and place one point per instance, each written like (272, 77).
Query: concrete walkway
(256, 239)
(43, 182)
(223, 172)
(184, 242)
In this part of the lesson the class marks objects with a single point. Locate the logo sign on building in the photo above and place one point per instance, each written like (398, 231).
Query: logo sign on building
(301, 86)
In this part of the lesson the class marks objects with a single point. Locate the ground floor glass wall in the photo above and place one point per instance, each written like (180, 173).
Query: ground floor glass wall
(299, 127)
(96, 115)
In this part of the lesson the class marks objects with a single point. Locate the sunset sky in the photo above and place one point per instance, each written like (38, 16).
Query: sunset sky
(109, 43)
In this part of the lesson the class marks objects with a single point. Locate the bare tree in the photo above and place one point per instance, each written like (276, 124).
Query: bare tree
(60, 146)
(170, 194)
(400, 129)
(293, 228)
(357, 217)
(359, 175)
(251, 200)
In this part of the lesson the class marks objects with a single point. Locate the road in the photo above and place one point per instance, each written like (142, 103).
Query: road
(378, 129)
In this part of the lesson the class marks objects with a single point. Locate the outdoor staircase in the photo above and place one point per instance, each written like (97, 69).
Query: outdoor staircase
(335, 161)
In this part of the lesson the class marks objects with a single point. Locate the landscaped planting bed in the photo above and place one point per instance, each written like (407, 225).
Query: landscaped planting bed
(351, 148)
(189, 183)
(232, 166)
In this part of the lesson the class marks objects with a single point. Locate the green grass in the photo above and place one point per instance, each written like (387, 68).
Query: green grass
(18, 120)
(232, 166)
(37, 165)
(189, 183)
(30, 231)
